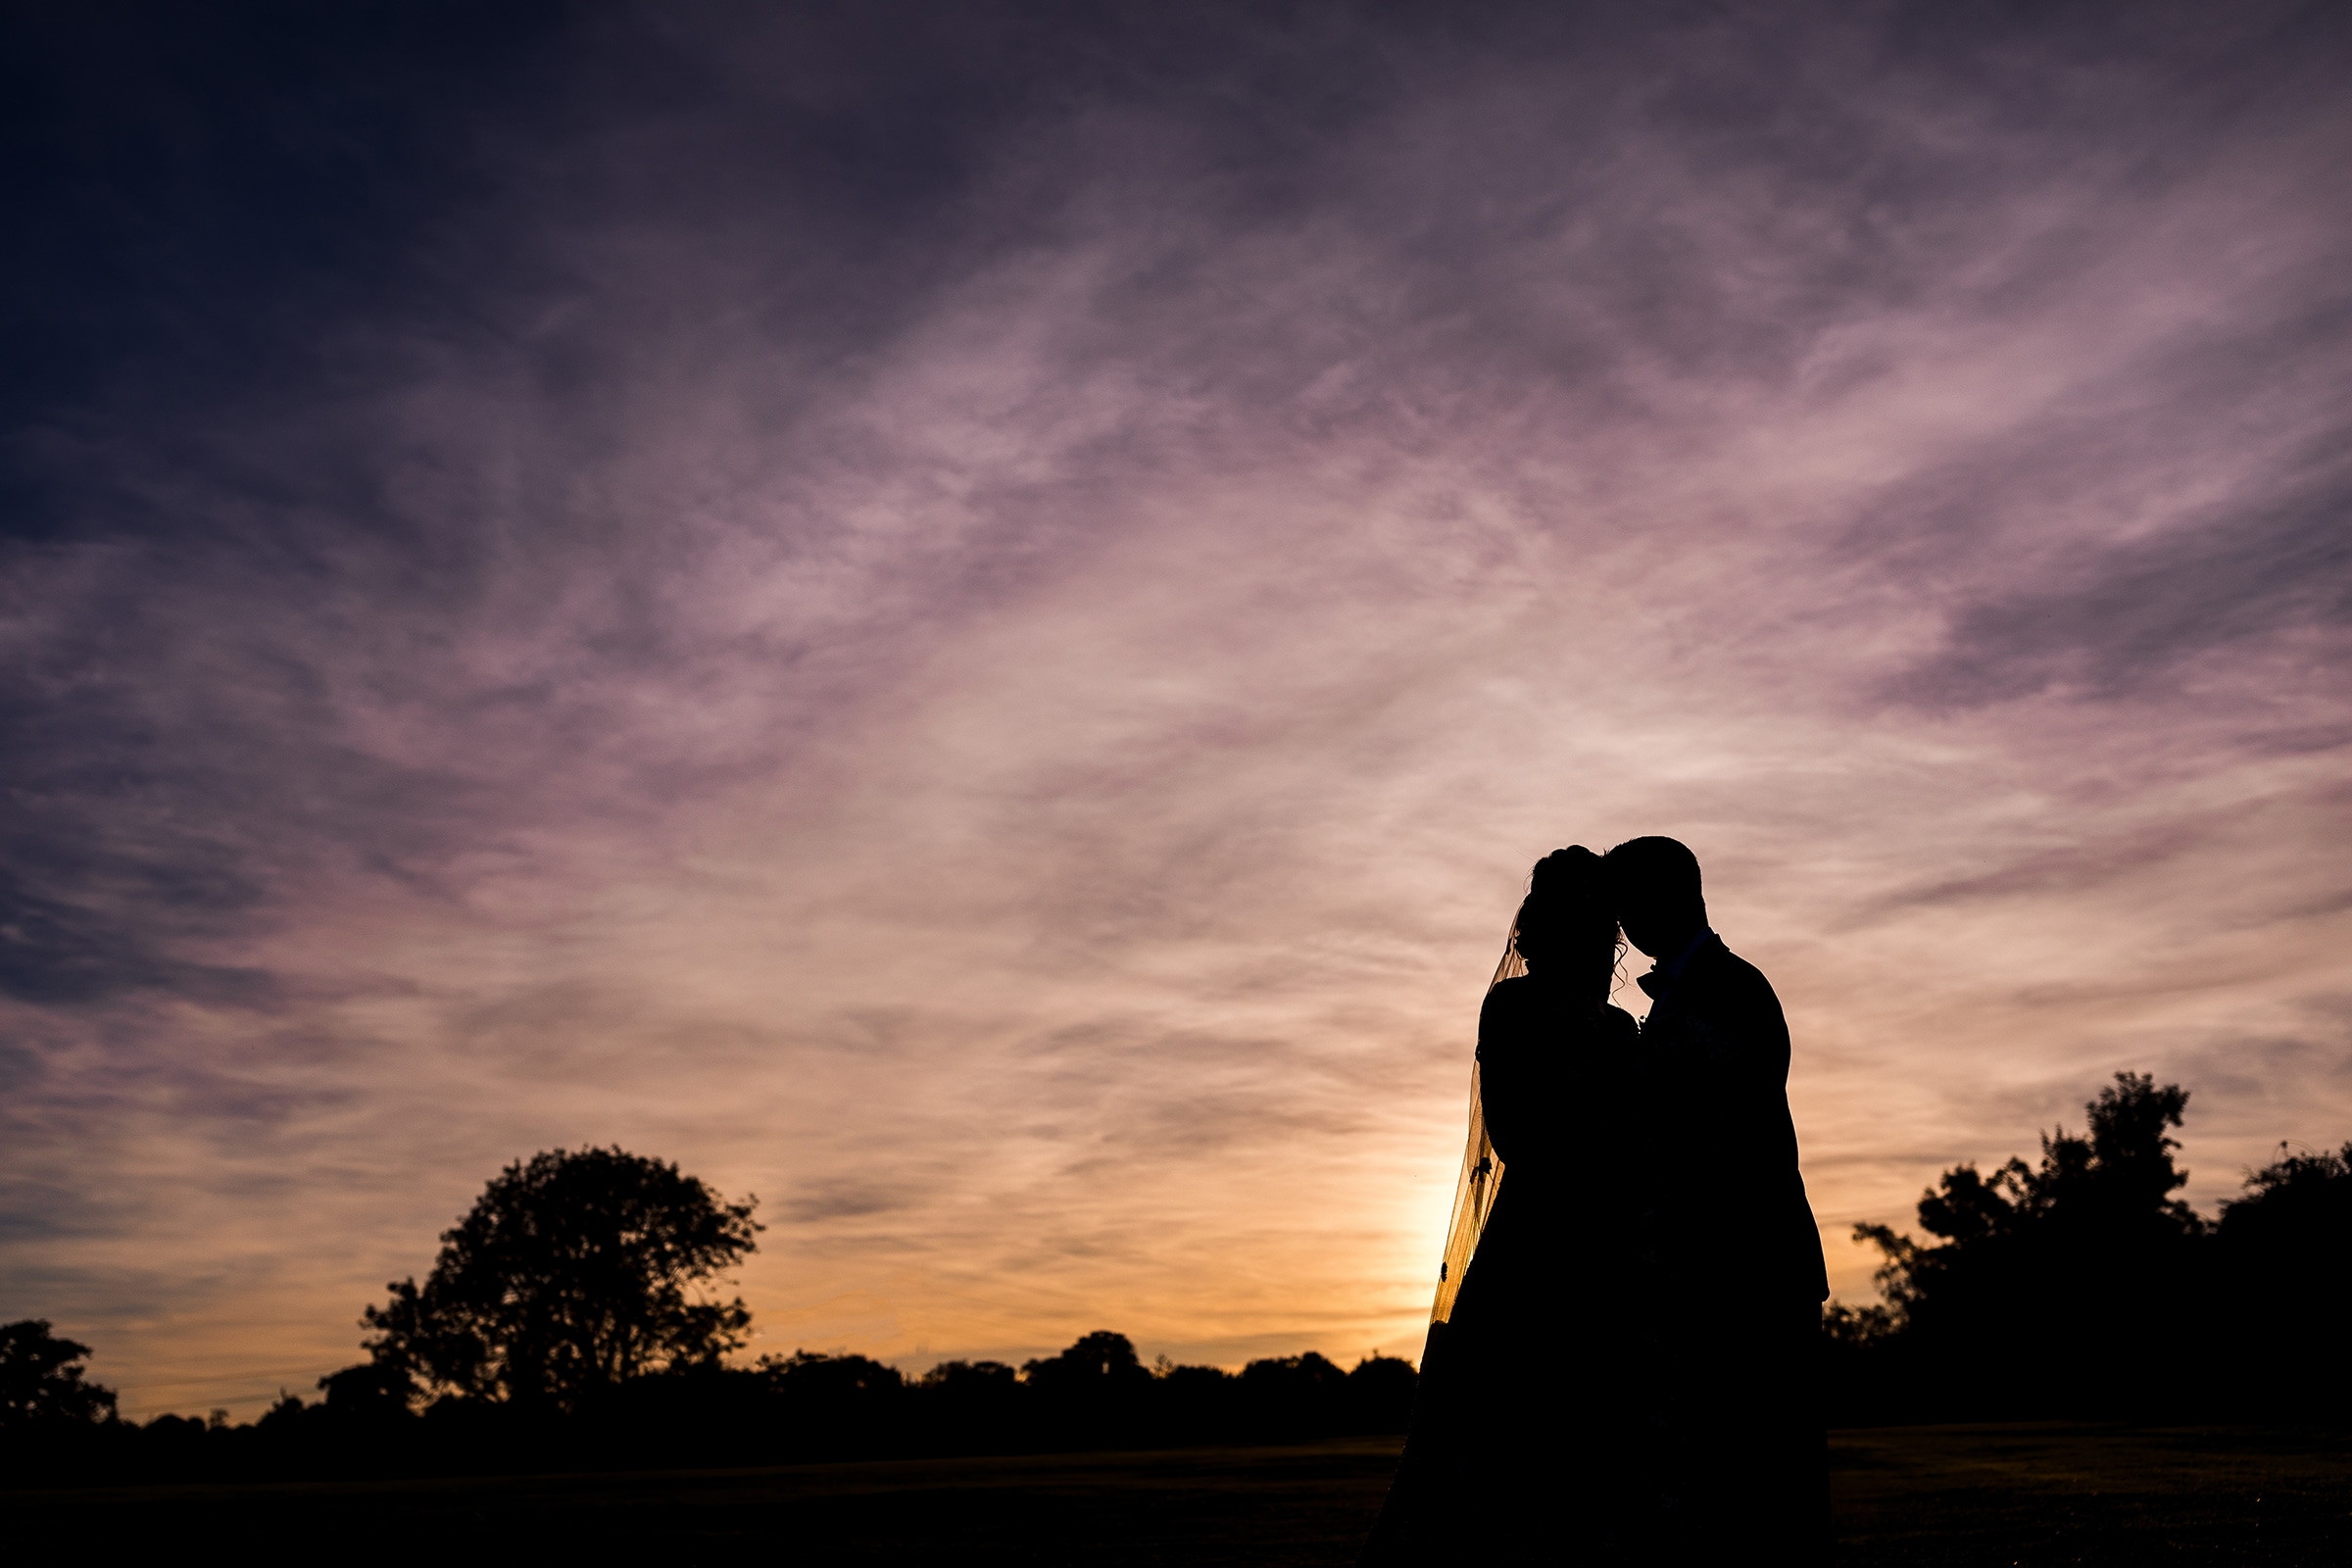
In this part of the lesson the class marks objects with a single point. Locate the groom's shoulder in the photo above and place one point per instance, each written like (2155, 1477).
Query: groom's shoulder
(1732, 977)
(1730, 965)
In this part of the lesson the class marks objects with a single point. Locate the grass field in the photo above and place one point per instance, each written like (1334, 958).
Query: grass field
(2051, 1495)
(1926, 1495)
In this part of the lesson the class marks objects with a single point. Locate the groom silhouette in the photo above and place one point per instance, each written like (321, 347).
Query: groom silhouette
(1738, 1267)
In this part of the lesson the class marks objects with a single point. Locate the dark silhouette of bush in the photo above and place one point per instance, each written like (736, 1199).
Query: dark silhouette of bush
(1295, 1395)
(1096, 1394)
(570, 1275)
(984, 1385)
(832, 1380)
(1380, 1394)
(1196, 1403)
(835, 1404)
(1097, 1367)
(2283, 1278)
(971, 1406)
(370, 1391)
(177, 1437)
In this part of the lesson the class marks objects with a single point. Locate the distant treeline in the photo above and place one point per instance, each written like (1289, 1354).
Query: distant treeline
(2083, 1286)
(570, 1322)
(805, 1407)
(567, 1325)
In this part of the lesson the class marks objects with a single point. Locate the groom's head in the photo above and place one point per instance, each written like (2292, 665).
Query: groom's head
(1654, 882)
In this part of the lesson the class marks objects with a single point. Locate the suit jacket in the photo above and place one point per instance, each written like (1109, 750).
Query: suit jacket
(1732, 1211)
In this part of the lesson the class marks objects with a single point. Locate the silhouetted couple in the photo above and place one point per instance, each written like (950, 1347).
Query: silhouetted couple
(1624, 1371)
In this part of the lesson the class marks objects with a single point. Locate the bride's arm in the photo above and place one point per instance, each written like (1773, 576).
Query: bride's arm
(1500, 1094)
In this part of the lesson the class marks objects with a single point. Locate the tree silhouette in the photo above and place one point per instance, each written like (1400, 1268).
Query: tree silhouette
(837, 1376)
(1380, 1394)
(2282, 1274)
(1096, 1392)
(1296, 1392)
(41, 1379)
(2295, 1204)
(2053, 1285)
(985, 1380)
(571, 1274)
(1096, 1364)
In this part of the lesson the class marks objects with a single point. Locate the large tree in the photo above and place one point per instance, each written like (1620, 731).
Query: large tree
(576, 1270)
(41, 1378)
(2067, 1282)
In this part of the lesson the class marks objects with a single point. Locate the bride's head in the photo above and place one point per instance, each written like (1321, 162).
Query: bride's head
(1565, 928)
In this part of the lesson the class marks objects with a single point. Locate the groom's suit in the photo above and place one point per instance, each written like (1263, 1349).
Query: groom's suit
(1739, 1273)
(1715, 1051)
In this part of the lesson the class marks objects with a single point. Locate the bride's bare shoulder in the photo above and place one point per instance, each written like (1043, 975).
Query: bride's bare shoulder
(1507, 1006)
(1507, 995)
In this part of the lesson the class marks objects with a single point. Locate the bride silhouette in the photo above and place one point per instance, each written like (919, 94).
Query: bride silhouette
(1529, 1434)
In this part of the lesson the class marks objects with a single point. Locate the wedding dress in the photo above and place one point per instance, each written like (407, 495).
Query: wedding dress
(1528, 1412)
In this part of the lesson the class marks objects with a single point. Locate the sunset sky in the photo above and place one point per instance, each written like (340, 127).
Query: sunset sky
(967, 619)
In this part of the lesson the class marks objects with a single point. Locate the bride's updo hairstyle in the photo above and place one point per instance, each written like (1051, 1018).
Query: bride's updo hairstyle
(1564, 927)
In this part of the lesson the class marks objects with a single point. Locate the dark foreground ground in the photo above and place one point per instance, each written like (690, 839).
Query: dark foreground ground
(2049, 1494)
(1920, 1496)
